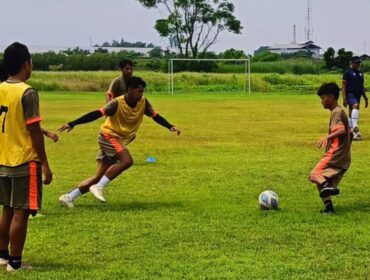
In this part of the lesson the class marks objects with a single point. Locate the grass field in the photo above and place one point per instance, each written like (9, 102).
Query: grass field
(194, 214)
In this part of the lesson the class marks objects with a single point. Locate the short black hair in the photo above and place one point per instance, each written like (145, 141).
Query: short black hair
(135, 82)
(15, 55)
(329, 88)
(125, 62)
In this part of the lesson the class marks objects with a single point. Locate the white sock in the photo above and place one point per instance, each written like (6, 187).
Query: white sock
(350, 124)
(355, 116)
(103, 182)
(74, 194)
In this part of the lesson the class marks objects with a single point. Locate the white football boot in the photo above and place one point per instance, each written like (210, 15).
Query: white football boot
(97, 192)
(66, 201)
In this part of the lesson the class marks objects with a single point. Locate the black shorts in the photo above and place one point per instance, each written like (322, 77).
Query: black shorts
(22, 192)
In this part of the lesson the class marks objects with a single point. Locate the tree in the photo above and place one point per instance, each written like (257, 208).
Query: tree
(156, 52)
(193, 26)
(124, 44)
(343, 59)
(329, 56)
(340, 61)
(233, 54)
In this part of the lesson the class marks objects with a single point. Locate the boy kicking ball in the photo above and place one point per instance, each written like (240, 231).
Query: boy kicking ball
(337, 158)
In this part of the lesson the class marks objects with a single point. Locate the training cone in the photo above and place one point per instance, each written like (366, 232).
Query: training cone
(151, 160)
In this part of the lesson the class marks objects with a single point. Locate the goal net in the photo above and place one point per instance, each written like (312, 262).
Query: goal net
(209, 75)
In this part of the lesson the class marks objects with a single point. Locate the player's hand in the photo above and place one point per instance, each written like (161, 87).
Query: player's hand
(48, 175)
(175, 129)
(65, 127)
(345, 102)
(366, 103)
(322, 143)
(53, 136)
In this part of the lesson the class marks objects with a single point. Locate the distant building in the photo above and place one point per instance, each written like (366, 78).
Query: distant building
(365, 57)
(292, 48)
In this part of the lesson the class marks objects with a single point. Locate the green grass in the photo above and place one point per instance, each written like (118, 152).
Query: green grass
(184, 82)
(194, 214)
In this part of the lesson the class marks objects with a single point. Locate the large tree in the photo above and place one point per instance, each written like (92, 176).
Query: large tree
(192, 26)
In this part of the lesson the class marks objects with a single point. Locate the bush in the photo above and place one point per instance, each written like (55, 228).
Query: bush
(266, 57)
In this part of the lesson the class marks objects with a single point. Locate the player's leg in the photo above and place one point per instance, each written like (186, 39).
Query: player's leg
(5, 218)
(27, 199)
(17, 238)
(322, 175)
(123, 161)
(355, 115)
(5, 222)
(83, 187)
(102, 167)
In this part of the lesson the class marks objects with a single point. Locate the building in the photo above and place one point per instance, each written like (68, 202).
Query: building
(292, 48)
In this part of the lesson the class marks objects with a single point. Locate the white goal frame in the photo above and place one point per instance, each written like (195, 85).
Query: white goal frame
(247, 70)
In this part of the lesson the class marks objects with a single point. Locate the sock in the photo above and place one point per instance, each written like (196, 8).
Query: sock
(4, 254)
(329, 205)
(350, 124)
(103, 182)
(355, 116)
(75, 193)
(15, 262)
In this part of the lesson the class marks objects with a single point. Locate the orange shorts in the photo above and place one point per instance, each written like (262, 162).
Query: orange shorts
(332, 173)
(110, 146)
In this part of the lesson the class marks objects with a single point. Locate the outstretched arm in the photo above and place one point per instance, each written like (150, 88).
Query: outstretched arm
(150, 112)
(89, 117)
(53, 136)
(163, 122)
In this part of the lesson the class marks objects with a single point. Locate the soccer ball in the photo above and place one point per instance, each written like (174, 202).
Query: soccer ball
(268, 200)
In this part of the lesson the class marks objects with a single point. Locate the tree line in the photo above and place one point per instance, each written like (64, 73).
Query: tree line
(80, 59)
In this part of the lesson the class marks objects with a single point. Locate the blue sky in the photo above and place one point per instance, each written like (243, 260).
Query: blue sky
(337, 23)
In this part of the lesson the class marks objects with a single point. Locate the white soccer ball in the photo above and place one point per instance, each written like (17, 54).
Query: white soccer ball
(268, 200)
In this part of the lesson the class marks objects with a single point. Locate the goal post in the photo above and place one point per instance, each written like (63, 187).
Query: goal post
(247, 70)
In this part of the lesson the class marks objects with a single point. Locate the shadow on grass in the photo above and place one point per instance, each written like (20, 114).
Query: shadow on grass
(130, 206)
(353, 207)
(50, 266)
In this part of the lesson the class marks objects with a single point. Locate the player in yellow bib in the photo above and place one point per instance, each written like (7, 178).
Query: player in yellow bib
(22, 154)
(124, 117)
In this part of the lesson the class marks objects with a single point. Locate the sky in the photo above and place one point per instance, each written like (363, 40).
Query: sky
(335, 23)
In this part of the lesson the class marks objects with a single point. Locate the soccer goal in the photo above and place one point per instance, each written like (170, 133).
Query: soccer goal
(246, 62)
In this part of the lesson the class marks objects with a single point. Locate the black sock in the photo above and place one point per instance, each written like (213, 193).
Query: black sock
(329, 205)
(326, 184)
(4, 254)
(15, 262)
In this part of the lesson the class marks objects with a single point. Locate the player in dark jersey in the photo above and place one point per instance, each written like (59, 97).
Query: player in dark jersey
(353, 89)
(118, 85)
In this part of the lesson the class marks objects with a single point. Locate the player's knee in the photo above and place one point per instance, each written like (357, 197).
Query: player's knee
(21, 215)
(129, 162)
(312, 178)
